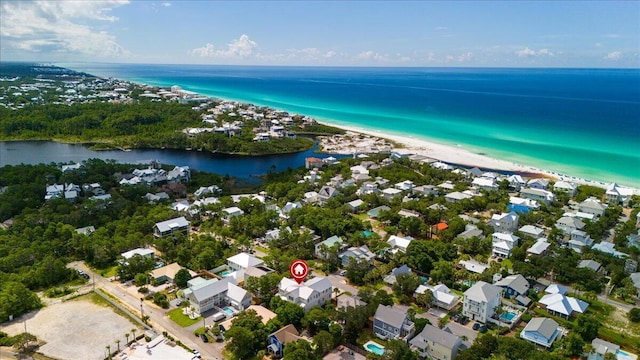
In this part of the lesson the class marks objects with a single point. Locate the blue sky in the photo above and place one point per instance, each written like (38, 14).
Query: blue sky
(334, 33)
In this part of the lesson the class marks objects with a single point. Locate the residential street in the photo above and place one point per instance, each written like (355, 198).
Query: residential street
(159, 320)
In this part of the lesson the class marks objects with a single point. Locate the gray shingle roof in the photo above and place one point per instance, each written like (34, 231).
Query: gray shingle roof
(545, 326)
(391, 316)
(432, 333)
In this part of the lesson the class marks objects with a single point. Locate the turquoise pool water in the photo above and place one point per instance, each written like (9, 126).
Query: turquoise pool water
(374, 348)
(367, 233)
(623, 355)
(225, 273)
(228, 310)
(508, 316)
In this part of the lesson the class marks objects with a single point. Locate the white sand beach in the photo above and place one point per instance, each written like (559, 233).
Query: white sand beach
(451, 154)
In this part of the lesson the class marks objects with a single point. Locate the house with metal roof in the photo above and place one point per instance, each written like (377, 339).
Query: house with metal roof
(514, 285)
(214, 293)
(541, 331)
(170, 227)
(392, 323)
(334, 241)
(480, 301)
(434, 343)
(442, 296)
(361, 253)
(311, 293)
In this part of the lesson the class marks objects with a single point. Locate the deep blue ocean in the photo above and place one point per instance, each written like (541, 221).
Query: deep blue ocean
(580, 122)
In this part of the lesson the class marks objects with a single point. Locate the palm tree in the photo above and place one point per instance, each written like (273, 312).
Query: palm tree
(126, 335)
(118, 343)
(108, 347)
(133, 334)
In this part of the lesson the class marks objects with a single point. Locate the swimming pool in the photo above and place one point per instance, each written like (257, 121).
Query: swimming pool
(228, 310)
(508, 316)
(374, 348)
(623, 355)
(225, 273)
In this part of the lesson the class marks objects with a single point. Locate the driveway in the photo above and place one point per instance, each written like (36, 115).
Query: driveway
(340, 282)
(462, 331)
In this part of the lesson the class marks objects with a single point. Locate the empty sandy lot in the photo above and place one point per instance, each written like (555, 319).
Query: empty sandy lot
(76, 329)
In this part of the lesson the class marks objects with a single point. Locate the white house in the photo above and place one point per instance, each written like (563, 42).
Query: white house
(242, 261)
(505, 222)
(592, 206)
(567, 224)
(565, 187)
(539, 248)
(390, 193)
(485, 183)
(457, 196)
(311, 293)
(437, 344)
(579, 239)
(559, 304)
(442, 295)
(232, 212)
(481, 300)
(139, 251)
(406, 185)
(516, 181)
(170, 227)
(359, 254)
(213, 293)
(398, 243)
(502, 244)
(538, 183)
(617, 194)
(540, 195)
(533, 231)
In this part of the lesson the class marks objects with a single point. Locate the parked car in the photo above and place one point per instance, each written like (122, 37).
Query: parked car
(342, 272)
(483, 329)
(456, 318)
(476, 326)
(205, 338)
(464, 320)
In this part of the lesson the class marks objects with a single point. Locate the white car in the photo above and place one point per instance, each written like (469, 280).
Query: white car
(342, 272)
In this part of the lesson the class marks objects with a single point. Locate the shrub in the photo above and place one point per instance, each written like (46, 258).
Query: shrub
(526, 317)
(634, 315)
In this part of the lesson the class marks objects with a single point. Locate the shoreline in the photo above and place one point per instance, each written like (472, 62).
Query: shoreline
(442, 152)
(460, 156)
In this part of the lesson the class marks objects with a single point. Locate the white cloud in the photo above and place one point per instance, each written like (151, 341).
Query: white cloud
(465, 57)
(526, 52)
(371, 56)
(614, 55)
(237, 48)
(60, 27)
(441, 28)
(166, 4)
(612, 36)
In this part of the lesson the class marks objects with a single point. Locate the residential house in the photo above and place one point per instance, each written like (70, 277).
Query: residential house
(170, 227)
(207, 190)
(539, 248)
(533, 231)
(502, 244)
(541, 331)
(334, 241)
(557, 303)
(516, 182)
(592, 206)
(434, 343)
(326, 193)
(392, 323)
(157, 197)
(539, 195)
(213, 293)
(485, 183)
(398, 243)
(231, 212)
(514, 285)
(568, 224)
(168, 273)
(521, 205)
(579, 239)
(601, 348)
(179, 174)
(480, 301)
(608, 248)
(406, 185)
(367, 188)
(505, 222)
(277, 340)
(617, 194)
(538, 183)
(344, 301)
(243, 261)
(391, 193)
(359, 254)
(457, 196)
(590, 264)
(442, 296)
(470, 231)
(313, 162)
(373, 213)
(148, 253)
(309, 294)
(473, 266)
(425, 190)
(87, 230)
(355, 205)
(565, 187)
(391, 278)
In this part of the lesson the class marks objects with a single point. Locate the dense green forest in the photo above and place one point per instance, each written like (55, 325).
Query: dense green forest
(144, 124)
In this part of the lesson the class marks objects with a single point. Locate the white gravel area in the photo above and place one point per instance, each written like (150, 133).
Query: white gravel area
(76, 329)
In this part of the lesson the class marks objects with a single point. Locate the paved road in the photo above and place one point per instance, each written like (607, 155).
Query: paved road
(159, 320)
(339, 282)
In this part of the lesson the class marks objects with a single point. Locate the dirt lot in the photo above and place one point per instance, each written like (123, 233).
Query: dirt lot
(75, 329)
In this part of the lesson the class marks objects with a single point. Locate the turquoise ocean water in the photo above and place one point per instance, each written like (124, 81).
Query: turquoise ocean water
(579, 122)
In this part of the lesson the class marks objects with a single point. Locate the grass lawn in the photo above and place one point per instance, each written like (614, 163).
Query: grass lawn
(181, 319)
(506, 263)
(107, 272)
